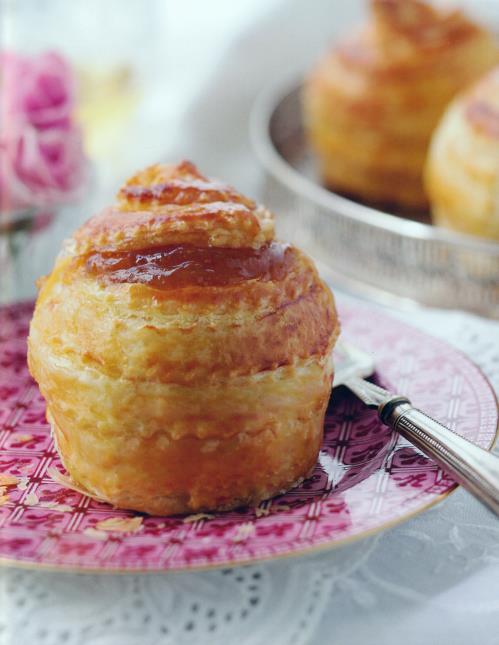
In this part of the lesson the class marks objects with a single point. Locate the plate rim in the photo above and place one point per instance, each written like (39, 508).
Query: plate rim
(325, 547)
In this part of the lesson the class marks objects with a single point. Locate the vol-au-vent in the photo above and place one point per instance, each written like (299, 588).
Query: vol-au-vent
(372, 103)
(462, 171)
(184, 353)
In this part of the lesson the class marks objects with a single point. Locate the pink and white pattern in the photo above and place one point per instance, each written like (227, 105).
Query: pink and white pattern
(366, 477)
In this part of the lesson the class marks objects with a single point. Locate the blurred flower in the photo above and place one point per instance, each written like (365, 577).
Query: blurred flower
(42, 161)
(39, 90)
(40, 167)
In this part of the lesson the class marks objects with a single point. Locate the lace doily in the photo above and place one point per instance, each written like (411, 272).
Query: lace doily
(249, 605)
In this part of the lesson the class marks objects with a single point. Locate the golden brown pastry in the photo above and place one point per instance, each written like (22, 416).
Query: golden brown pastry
(371, 105)
(184, 353)
(462, 172)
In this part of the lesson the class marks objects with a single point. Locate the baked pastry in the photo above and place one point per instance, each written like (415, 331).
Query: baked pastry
(185, 355)
(371, 104)
(462, 171)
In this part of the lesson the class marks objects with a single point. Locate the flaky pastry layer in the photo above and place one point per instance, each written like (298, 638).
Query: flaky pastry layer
(169, 399)
(167, 204)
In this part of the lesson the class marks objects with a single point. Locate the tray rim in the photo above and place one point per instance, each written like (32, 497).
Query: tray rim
(262, 112)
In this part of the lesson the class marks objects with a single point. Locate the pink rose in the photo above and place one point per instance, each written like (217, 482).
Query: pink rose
(40, 167)
(38, 90)
(42, 161)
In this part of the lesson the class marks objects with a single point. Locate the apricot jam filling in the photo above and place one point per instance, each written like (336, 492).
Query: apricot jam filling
(173, 267)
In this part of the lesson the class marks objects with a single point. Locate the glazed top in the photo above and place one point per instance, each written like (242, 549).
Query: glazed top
(172, 227)
(408, 35)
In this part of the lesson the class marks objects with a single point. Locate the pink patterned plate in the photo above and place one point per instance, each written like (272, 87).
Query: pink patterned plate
(366, 479)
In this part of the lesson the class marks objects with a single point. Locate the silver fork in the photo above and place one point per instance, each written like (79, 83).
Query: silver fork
(474, 468)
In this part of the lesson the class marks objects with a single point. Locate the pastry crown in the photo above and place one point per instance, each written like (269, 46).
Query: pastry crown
(175, 204)
(415, 23)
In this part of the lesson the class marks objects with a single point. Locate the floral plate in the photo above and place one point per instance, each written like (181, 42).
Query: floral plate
(367, 478)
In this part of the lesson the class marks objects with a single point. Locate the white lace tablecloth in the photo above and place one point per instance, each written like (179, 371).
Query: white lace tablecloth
(433, 580)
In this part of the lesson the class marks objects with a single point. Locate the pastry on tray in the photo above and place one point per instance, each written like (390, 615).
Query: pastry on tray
(184, 353)
(371, 104)
(462, 172)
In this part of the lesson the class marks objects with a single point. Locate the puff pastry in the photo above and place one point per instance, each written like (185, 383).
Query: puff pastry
(462, 172)
(371, 104)
(184, 353)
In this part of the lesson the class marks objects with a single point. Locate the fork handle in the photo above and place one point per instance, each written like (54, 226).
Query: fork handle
(474, 468)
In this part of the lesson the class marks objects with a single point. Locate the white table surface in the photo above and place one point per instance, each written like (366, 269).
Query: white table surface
(433, 580)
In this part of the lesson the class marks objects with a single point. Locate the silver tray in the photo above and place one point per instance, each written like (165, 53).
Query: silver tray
(365, 250)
